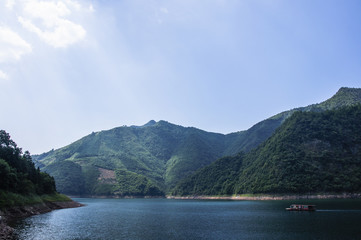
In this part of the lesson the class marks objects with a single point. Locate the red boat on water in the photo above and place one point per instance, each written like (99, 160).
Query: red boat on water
(301, 207)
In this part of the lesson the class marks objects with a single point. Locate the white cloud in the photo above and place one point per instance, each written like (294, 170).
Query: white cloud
(9, 4)
(3, 76)
(12, 46)
(73, 4)
(54, 28)
(64, 34)
(53, 21)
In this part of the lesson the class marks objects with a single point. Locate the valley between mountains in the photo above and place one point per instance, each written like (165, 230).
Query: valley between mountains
(311, 149)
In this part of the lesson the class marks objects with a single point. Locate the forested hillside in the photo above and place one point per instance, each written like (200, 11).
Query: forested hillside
(20, 182)
(163, 153)
(312, 152)
(261, 131)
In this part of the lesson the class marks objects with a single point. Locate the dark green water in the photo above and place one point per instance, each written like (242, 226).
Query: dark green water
(191, 219)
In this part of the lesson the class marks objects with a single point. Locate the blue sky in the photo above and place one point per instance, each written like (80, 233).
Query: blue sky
(70, 67)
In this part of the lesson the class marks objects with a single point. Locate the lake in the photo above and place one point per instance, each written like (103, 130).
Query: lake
(195, 219)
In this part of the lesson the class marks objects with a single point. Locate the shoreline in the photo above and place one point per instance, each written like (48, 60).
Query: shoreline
(115, 197)
(266, 197)
(12, 213)
(249, 197)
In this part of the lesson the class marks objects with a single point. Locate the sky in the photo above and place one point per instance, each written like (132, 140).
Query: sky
(71, 67)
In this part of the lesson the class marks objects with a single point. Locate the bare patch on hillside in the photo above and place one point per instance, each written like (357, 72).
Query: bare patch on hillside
(106, 175)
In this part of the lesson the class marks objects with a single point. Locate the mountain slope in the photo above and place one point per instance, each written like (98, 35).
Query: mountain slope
(311, 152)
(247, 140)
(218, 178)
(162, 152)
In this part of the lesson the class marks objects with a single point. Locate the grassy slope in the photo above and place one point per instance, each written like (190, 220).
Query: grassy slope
(10, 199)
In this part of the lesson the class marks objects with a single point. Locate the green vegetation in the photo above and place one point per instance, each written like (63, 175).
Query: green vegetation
(20, 182)
(166, 154)
(132, 184)
(310, 153)
(216, 179)
(69, 176)
(257, 134)
(10, 199)
(161, 152)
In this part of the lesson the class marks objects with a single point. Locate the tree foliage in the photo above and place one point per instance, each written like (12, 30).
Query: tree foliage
(162, 152)
(132, 184)
(166, 154)
(68, 175)
(310, 153)
(17, 170)
(216, 179)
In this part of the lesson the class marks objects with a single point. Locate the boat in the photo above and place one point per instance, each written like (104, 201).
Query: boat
(301, 207)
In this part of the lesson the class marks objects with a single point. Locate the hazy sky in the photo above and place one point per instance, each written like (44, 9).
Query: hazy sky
(70, 67)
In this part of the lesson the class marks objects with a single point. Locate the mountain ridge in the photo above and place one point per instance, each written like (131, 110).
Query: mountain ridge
(163, 152)
(312, 152)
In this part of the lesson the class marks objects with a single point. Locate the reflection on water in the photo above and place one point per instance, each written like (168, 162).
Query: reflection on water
(191, 219)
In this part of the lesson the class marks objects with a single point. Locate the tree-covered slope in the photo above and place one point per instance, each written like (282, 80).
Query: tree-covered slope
(20, 182)
(248, 140)
(162, 152)
(218, 178)
(311, 152)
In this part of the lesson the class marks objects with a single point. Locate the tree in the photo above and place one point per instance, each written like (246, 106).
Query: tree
(17, 171)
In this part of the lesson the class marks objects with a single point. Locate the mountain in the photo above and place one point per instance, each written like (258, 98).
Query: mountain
(312, 152)
(247, 140)
(160, 153)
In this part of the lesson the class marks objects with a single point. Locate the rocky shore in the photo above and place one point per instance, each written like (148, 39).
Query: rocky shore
(6, 232)
(8, 214)
(272, 197)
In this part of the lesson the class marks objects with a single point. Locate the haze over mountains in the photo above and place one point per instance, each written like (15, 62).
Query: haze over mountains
(152, 159)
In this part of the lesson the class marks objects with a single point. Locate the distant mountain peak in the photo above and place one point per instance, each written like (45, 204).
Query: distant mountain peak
(344, 97)
(150, 123)
(349, 90)
(350, 93)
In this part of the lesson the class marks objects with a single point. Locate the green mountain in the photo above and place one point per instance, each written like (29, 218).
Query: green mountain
(311, 152)
(247, 140)
(161, 152)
